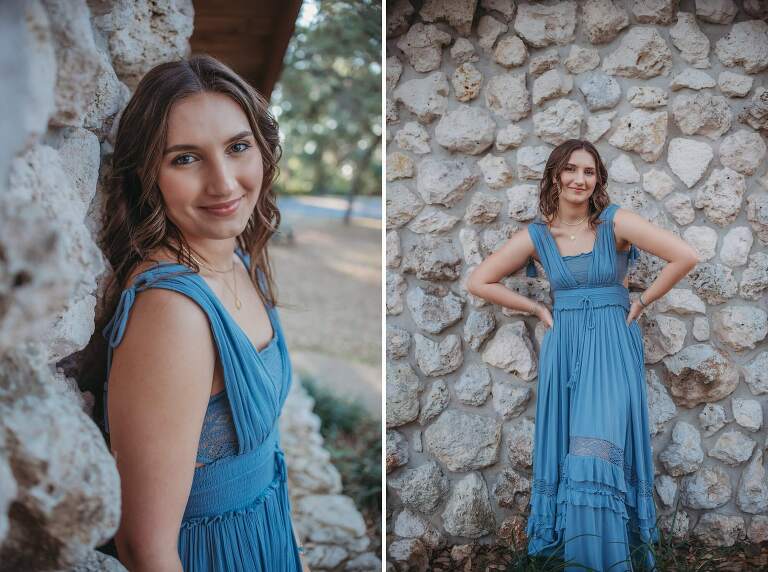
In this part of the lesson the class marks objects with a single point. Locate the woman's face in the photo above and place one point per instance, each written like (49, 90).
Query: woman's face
(212, 170)
(579, 177)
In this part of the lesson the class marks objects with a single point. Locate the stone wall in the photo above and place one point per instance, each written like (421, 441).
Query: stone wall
(69, 69)
(675, 97)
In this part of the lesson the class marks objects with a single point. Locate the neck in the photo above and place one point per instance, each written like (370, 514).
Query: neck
(215, 253)
(571, 213)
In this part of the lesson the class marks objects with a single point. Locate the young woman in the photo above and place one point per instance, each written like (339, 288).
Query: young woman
(592, 497)
(197, 365)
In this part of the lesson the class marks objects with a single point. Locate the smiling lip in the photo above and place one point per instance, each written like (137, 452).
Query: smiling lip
(223, 208)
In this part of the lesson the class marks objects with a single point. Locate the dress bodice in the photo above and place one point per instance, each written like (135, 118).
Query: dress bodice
(578, 265)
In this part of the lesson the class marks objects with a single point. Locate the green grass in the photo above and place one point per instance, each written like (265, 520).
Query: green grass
(353, 439)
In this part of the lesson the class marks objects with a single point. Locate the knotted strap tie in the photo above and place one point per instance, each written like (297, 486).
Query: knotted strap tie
(588, 323)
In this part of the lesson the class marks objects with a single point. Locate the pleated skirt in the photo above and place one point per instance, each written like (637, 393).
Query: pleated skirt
(592, 495)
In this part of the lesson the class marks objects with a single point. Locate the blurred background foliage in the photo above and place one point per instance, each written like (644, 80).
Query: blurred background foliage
(328, 100)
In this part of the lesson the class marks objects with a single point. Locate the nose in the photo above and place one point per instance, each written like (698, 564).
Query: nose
(221, 178)
(579, 177)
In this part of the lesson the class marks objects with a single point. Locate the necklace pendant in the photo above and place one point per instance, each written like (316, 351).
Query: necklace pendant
(238, 304)
(573, 237)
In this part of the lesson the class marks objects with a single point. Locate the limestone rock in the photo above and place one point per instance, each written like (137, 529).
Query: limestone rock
(661, 408)
(602, 20)
(470, 244)
(748, 413)
(598, 125)
(399, 17)
(690, 40)
(463, 51)
(758, 527)
(544, 61)
(713, 282)
(559, 122)
(699, 374)
(506, 95)
(692, 79)
(708, 488)
(684, 454)
(703, 239)
(754, 278)
(680, 206)
(466, 81)
(732, 448)
(474, 385)
(488, 31)
(756, 112)
(510, 52)
(496, 172)
(642, 54)
(464, 441)
(531, 161)
(432, 258)
(433, 310)
(716, 11)
(646, 97)
(742, 151)
(478, 327)
(466, 130)
(600, 91)
(734, 84)
(331, 519)
(506, 8)
(657, 183)
(643, 132)
(520, 443)
(435, 402)
(511, 350)
(509, 400)
(622, 170)
(521, 200)
(550, 85)
(402, 205)
(545, 25)
(399, 166)
(398, 342)
(432, 220)
(702, 114)
(508, 137)
(741, 327)
(679, 301)
(411, 553)
(689, 159)
(414, 138)
(655, 11)
(422, 489)
(756, 374)
(483, 208)
(435, 359)
(719, 530)
(700, 329)
(395, 289)
(403, 388)
(581, 59)
(423, 46)
(737, 243)
(443, 182)
(757, 215)
(468, 512)
(512, 490)
(666, 488)
(745, 45)
(424, 97)
(712, 418)
(721, 196)
(456, 13)
(396, 450)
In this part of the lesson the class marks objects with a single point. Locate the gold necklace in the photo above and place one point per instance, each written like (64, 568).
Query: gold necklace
(238, 303)
(573, 236)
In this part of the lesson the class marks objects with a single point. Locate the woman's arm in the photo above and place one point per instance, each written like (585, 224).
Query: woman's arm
(484, 282)
(680, 256)
(159, 387)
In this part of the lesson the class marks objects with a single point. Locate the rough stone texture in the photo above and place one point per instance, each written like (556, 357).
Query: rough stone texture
(719, 530)
(457, 13)
(681, 124)
(468, 512)
(466, 130)
(423, 46)
(716, 11)
(745, 45)
(403, 388)
(699, 374)
(464, 441)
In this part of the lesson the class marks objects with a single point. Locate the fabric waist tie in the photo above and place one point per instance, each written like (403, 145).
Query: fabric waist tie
(587, 299)
(236, 482)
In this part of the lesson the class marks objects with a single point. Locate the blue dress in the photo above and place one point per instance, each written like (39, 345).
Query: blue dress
(592, 495)
(238, 514)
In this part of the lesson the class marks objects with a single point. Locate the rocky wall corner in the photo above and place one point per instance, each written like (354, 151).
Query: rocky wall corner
(70, 68)
(675, 97)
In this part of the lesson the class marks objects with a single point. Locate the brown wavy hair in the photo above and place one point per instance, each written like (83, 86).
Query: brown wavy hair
(135, 222)
(558, 159)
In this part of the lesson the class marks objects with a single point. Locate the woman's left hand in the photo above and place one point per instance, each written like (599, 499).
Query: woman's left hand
(634, 311)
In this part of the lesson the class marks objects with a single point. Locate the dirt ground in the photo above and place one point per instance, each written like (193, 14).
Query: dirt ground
(329, 297)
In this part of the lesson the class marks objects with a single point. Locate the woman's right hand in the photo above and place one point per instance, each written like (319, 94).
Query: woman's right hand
(545, 315)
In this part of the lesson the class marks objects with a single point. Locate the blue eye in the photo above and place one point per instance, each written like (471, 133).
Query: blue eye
(177, 161)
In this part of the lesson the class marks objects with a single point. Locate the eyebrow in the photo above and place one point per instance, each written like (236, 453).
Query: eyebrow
(572, 165)
(187, 146)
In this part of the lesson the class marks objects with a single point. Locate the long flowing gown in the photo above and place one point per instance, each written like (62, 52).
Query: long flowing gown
(238, 513)
(592, 495)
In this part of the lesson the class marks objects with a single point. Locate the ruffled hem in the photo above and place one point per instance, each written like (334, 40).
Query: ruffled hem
(258, 537)
(596, 484)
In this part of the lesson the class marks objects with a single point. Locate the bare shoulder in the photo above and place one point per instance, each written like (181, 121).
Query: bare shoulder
(627, 222)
